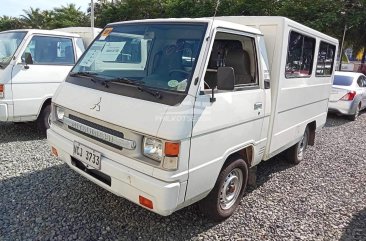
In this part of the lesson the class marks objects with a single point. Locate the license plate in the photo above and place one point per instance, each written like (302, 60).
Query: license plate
(88, 156)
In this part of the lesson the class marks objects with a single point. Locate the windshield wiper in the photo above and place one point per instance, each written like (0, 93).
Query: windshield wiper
(144, 88)
(121, 80)
(140, 85)
(91, 75)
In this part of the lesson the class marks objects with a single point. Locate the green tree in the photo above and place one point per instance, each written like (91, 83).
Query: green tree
(7, 23)
(354, 18)
(35, 18)
(68, 16)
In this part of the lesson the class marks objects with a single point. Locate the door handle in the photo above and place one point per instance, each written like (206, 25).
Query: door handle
(258, 106)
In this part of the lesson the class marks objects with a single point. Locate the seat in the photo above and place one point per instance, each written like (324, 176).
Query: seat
(240, 61)
(216, 60)
(69, 55)
(45, 53)
(167, 60)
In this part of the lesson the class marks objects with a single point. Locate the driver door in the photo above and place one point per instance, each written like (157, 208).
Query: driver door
(44, 64)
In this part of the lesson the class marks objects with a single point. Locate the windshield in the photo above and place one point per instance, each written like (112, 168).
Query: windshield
(159, 55)
(9, 42)
(342, 80)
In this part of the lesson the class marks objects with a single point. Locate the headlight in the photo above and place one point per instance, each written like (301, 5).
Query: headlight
(59, 112)
(153, 148)
(167, 153)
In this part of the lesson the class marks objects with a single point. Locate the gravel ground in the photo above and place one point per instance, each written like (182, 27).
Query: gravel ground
(322, 198)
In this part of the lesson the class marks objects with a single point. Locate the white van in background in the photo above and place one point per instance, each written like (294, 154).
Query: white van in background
(213, 99)
(32, 65)
(87, 34)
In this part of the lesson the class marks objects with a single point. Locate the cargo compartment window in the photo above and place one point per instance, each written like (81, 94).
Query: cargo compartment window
(300, 55)
(324, 65)
(236, 51)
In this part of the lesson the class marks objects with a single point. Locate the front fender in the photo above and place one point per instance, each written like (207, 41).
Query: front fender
(46, 100)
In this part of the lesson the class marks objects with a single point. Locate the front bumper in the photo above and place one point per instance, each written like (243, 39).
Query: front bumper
(125, 182)
(342, 107)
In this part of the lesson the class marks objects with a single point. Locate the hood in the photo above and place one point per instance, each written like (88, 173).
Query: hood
(135, 114)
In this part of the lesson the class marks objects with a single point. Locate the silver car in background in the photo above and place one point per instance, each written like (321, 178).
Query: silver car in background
(348, 96)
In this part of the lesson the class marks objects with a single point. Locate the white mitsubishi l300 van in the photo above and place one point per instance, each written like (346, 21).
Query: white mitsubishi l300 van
(168, 112)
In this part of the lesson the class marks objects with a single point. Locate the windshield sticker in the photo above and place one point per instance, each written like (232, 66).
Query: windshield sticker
(173, 83)
(111, 51)
(182, 85)
(105, 33)
(92, 54)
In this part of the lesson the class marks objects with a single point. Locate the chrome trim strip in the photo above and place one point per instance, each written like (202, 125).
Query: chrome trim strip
(129, 144)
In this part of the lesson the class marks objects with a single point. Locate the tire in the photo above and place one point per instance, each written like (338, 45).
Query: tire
(295, 154)
(43, 121)
(232, 180)
(356, 114)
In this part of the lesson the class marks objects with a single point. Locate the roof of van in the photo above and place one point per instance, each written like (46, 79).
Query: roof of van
(274, 20)
(42, 31)
(194, 20)
(78, 30)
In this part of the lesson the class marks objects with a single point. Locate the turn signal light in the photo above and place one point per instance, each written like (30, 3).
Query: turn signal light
(146, 202)
(2, 88)
(171, 149)
(349, 96)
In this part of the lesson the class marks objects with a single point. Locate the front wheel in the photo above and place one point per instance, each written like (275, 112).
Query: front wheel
(230, 186)
(44, 120)
(295, 154)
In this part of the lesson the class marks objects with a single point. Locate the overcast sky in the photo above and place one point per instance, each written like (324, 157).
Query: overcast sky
(15, 8)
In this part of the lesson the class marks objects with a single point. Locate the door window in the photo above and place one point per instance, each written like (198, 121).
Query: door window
(238, 52)
(45, 50)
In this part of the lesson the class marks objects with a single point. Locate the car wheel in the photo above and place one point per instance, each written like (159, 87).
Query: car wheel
(230, 186)
(295, 154)
(44, 119)
(357, 113)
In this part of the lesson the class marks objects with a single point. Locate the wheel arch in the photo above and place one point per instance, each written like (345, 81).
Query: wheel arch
(246, 153)
(356, 102)
(46, 102)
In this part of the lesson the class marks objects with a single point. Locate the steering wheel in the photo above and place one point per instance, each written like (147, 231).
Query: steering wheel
(178, 71)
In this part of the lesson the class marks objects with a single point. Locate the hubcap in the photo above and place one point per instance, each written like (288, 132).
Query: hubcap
(231, 188)
(302, 146)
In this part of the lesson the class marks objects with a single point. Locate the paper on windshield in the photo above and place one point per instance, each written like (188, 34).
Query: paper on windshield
(105, 33)
(111, 51)
(92, 54)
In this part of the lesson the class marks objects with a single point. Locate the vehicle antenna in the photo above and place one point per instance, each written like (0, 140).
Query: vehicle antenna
(213, 99)
(216, 8)
(213, 17)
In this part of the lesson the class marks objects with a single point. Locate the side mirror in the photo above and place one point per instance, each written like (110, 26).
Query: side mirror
(28, 58)
(225, 78)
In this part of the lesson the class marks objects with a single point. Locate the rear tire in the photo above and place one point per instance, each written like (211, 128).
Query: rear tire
(44, 121)
(295, 154)
(230, 186)
(357, 113)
